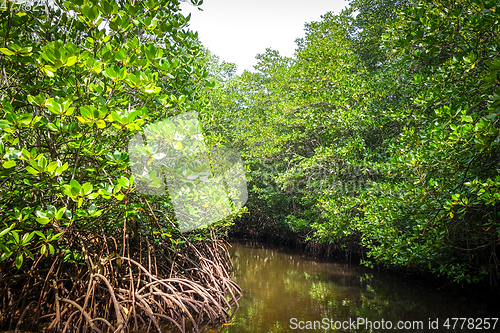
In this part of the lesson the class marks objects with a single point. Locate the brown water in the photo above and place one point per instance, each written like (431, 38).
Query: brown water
(279, 285)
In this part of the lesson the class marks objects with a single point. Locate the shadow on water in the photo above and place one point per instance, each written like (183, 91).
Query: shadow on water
(279, 285)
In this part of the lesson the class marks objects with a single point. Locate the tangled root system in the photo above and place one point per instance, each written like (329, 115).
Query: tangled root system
(156, 289)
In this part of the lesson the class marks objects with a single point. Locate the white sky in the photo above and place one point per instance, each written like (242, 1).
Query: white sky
(237, 30)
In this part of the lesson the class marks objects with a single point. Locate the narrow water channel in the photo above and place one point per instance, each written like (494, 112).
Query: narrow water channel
(279, 285)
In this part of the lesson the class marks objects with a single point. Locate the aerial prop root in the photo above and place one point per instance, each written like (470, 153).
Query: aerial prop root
(120, 298)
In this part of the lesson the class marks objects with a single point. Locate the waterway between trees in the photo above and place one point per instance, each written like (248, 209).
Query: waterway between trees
(285, 291)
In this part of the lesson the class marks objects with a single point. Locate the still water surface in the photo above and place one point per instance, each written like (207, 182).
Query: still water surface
(279, 285)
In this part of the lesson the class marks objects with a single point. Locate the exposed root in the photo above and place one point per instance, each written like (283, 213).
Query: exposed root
(158, 288)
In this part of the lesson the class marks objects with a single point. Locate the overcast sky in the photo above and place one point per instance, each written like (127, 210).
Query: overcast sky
(237, 30)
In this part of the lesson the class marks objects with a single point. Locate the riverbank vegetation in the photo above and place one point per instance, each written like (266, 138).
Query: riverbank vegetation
(382, 131)
(80, 248)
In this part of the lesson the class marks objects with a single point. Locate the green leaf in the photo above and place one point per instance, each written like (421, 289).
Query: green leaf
(39, 234)
(51, 249)
(86, 111)
(114, 26)
(49, 70)
(53, 106)
(60, 213)
(9, 164)
(52, 166)
(43, 220)
(6, 51)
(123, 181)
(125, 21)
(29, 254)
(40, 213)
(32, 171)
(86, 188)
(42, 162)
(26, 238)
(71, 61)
(90, 12)
(107, 9)
(74, 183)
(101, 124)
(5, 231)
(15, 235)
(19, 260)
(5, 255)
(110, 72)
(467, 119)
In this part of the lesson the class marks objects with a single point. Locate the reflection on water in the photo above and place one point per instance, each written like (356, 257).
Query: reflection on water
(279, 285)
